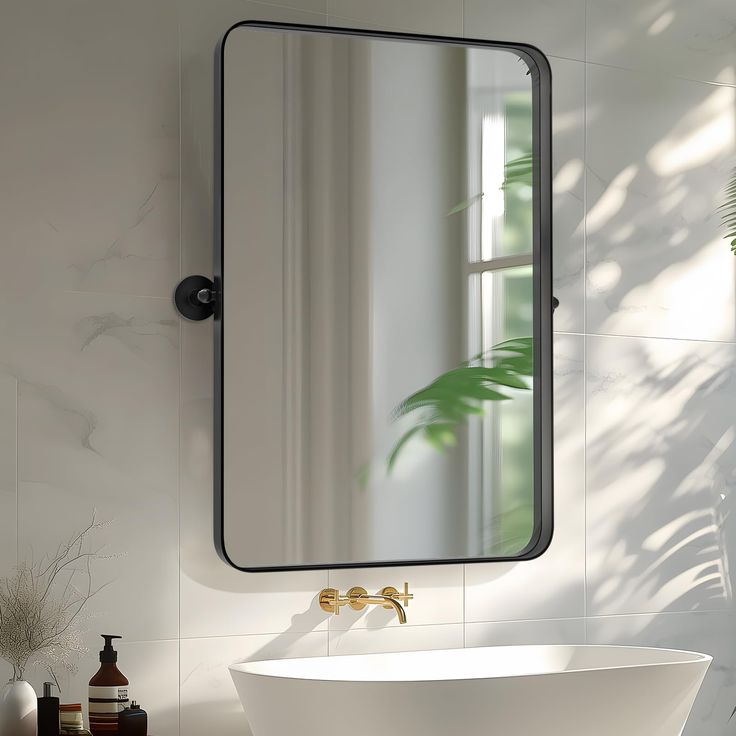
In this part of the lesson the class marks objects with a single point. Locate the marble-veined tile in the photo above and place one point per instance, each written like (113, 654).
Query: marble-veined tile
(89, 198)
(557, 28)
(439, 17)
(392, 639)
(513, 633)
(311, 6)
(98, 417)
(659, 154)
(660, 475)
(8, 474)
(677, 37)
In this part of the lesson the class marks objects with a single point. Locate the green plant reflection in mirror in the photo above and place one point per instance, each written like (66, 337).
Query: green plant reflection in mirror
(443, 406)
(438, 411)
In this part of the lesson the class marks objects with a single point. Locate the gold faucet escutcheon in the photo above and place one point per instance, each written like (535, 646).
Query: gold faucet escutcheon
(358, 598)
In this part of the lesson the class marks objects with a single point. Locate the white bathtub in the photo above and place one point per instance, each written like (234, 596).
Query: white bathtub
(488, 691)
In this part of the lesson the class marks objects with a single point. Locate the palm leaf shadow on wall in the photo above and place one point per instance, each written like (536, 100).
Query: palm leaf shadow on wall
(728, 212)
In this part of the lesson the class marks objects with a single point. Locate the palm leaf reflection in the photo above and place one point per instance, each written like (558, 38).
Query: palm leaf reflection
(443, 406)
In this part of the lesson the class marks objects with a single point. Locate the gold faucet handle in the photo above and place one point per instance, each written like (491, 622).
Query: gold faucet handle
(354, 598)
(404, 597)
(330, 601)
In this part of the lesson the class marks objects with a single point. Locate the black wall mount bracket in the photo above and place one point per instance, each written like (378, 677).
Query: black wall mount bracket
(195, 298)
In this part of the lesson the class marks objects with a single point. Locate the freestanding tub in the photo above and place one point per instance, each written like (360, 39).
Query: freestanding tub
(508, 691)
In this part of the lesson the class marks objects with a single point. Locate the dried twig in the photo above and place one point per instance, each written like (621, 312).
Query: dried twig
(41, 603)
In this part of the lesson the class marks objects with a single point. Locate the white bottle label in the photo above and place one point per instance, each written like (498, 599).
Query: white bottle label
(105, 702)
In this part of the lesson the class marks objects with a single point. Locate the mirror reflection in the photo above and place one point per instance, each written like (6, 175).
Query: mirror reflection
(378, 271)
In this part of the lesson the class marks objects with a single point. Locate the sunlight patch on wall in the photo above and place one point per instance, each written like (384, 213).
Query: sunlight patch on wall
(703, 135)
(569, 175)
(612, 200)
(662, 23)
(688, 294)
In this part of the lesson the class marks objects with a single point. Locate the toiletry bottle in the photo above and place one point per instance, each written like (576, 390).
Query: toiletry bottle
(48, 712)
(71, 721)
(133, 721)
(108, 692)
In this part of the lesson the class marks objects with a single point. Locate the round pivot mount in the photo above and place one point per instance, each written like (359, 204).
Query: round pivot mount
(195, 298)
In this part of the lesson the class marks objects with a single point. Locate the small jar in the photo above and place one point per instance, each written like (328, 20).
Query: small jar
(133, 721)
(71, 720)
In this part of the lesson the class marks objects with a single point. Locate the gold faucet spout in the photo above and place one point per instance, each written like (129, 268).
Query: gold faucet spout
(382, 600)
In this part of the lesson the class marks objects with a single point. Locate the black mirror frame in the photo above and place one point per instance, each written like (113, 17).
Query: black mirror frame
(543, 305)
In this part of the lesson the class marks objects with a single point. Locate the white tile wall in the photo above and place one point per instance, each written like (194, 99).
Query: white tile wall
(396, 639)
(440, 17)
(106, 397)
(695, 40)
(90, 96)
(660, 481)
(8, 475)
(98, 417)
(510, 633)
(568, 200)
(557, 27)
(659, 150)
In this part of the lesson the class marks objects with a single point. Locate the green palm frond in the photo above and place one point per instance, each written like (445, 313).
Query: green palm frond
(519, 171)
(728, 212)
(443, 406)
(462, 206)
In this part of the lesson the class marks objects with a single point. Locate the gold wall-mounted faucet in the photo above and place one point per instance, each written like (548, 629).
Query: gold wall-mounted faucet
(358, 598)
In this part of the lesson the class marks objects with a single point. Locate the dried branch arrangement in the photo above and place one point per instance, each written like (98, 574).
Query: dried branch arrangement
(41, 606)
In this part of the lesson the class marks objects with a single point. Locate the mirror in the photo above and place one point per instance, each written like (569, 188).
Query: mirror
(383, 335)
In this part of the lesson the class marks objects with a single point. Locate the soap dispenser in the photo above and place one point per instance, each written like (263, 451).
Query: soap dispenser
(48, 712)
(108, 692)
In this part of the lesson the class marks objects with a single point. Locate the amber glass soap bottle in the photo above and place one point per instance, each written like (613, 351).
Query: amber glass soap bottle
(108, 692)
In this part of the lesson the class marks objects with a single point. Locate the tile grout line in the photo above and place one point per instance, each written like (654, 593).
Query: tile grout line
(585, 324)
(329, 628)
(655, 73)
(644, 337)
(17, 472)
(465, 567)
(281, 6)
(701, 612)
(181, 343)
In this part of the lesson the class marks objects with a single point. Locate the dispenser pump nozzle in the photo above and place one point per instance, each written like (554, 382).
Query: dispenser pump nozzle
(108, 654)
(47, 689)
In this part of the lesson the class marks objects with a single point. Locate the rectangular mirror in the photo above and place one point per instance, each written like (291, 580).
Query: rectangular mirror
(383, 338)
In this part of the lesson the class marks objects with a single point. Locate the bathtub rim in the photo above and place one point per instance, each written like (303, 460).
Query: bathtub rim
(251, 668)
